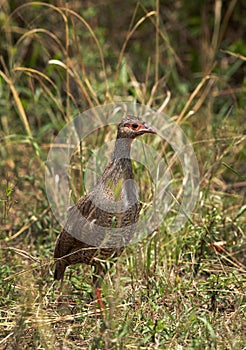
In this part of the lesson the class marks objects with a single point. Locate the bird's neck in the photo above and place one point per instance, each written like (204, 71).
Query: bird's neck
(121, 162)
(113, 182)
(122, 149)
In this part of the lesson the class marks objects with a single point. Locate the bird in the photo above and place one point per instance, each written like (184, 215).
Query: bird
(102, 222)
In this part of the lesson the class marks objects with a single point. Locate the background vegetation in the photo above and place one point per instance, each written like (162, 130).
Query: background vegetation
(175, 290)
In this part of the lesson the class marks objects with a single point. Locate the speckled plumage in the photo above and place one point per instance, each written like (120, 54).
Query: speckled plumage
(103, 222)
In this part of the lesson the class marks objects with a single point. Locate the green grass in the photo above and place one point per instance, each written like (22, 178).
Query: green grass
(173, 290)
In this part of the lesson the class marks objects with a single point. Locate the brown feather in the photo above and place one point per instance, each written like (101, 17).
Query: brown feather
(113, 203)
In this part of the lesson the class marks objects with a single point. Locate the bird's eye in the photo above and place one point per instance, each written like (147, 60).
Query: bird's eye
(134, 126)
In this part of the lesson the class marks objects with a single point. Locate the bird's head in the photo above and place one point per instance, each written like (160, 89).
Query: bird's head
(132, 127)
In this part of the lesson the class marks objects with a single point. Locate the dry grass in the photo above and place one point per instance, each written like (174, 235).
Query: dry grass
(174, 290)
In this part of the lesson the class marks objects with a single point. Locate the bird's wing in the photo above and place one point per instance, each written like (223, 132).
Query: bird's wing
(73, 229)
(95, 227)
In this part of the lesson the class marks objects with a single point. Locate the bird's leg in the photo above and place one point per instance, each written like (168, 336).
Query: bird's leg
(100, 271)
(61, 286)
(97, 278)
(99, 299)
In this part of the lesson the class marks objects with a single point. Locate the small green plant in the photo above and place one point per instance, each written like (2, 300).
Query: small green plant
(173, 290)
(7, 200)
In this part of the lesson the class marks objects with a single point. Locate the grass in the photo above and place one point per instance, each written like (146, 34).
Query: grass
(173, 290)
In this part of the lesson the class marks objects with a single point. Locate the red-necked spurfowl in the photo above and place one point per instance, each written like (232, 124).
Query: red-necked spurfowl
(103, 221)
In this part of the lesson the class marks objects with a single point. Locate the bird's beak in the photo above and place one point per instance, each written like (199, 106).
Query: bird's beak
(146, 129)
